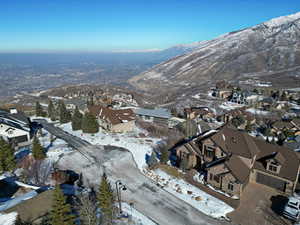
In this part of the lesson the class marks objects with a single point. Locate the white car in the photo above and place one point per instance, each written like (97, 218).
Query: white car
(292, 209)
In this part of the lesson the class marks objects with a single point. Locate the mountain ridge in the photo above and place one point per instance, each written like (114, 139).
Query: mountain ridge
(264, 49)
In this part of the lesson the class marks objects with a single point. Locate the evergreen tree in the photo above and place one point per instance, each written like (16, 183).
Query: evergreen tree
(106, 201)
(64, 114)
(61, 213)
(89, 124)
(7, 158)
(19, 221)
(76, 120)
(39, 110)
(38, 150)
(249, 126)
(281, 139)
(51, 111)
(164, 157)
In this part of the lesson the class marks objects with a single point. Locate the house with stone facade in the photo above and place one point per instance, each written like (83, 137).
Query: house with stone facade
(231, 159)
(118, 121)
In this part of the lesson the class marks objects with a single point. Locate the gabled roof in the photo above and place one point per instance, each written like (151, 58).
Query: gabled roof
(113, 116)
(235, 142)
(238, 168)
(287, 158)
(239, 144)
(12, 124)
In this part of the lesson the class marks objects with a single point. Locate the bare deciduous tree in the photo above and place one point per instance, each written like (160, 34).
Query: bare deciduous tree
(87, 209)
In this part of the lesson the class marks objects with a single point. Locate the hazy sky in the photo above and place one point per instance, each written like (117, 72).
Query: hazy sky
(90, 25)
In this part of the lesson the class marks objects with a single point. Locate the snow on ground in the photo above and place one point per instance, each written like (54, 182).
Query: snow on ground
(202, 201)
(136, 217)
(139, 147)
(230, 105)
(56, 149)
(8, 219)
(257, 111)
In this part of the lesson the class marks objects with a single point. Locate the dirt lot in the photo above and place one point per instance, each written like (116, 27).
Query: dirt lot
(260, 205)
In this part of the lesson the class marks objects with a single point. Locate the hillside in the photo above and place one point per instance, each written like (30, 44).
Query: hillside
(269, 51)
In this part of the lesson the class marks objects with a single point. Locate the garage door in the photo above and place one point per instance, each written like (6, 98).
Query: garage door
(270, 181)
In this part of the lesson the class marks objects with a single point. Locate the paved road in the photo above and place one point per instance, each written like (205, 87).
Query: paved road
(154, 202)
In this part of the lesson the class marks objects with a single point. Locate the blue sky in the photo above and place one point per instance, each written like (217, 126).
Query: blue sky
(105, 25)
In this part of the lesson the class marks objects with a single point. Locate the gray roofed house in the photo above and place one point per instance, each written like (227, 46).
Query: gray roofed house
(159, 115)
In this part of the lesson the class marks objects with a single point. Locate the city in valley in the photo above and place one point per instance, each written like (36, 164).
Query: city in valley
(201, 133)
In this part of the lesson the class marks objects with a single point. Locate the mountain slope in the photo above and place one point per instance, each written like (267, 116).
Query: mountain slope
(268, 49)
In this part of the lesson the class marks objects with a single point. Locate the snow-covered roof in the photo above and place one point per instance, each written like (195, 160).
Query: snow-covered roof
(160, 112)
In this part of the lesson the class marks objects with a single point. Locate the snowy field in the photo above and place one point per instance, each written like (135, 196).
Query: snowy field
(8, 219)
(138, 146)
(202, 201)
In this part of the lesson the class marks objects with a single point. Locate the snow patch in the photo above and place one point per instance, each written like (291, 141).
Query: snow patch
(8, 219)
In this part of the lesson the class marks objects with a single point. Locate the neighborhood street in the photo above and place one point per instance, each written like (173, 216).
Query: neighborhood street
(154, 202)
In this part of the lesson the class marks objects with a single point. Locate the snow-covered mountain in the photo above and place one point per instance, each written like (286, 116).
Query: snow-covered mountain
(269, 49)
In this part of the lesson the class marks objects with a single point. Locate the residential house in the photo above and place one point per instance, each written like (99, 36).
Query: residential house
(160, 116)
(244, 97)
(232, 158)
(266, 103)
(16, 128)
(291, 125)
(229, 115)
(204, 113)
(118, 121)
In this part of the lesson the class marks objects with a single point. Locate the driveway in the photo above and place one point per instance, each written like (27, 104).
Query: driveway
(259, 205)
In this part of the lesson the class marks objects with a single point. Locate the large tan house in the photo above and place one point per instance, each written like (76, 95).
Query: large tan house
(232, 158)
(118, 121)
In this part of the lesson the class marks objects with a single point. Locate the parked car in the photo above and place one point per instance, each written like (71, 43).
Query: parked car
(292, 209)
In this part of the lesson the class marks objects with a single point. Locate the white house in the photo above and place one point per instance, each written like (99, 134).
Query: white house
(13, 128)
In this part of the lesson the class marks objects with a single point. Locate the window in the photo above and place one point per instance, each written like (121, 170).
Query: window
(211, 176)
(272, 168)
(147, 118)
(217, 178)
(230, 186)
(209, 152)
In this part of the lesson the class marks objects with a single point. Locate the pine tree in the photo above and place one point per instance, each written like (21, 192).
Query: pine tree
(106, 201)
(76, 120)
(38, 151)
(7, 158)
(39, 110)
(64, 114)
(249, 126)
(51, 111)
(89, 124)
(164, 157)
(61, 213)
(19, 221)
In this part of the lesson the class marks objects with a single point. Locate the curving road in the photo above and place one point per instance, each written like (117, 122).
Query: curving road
(154, 202)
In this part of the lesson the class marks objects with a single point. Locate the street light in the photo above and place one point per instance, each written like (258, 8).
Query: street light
(120, 187)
